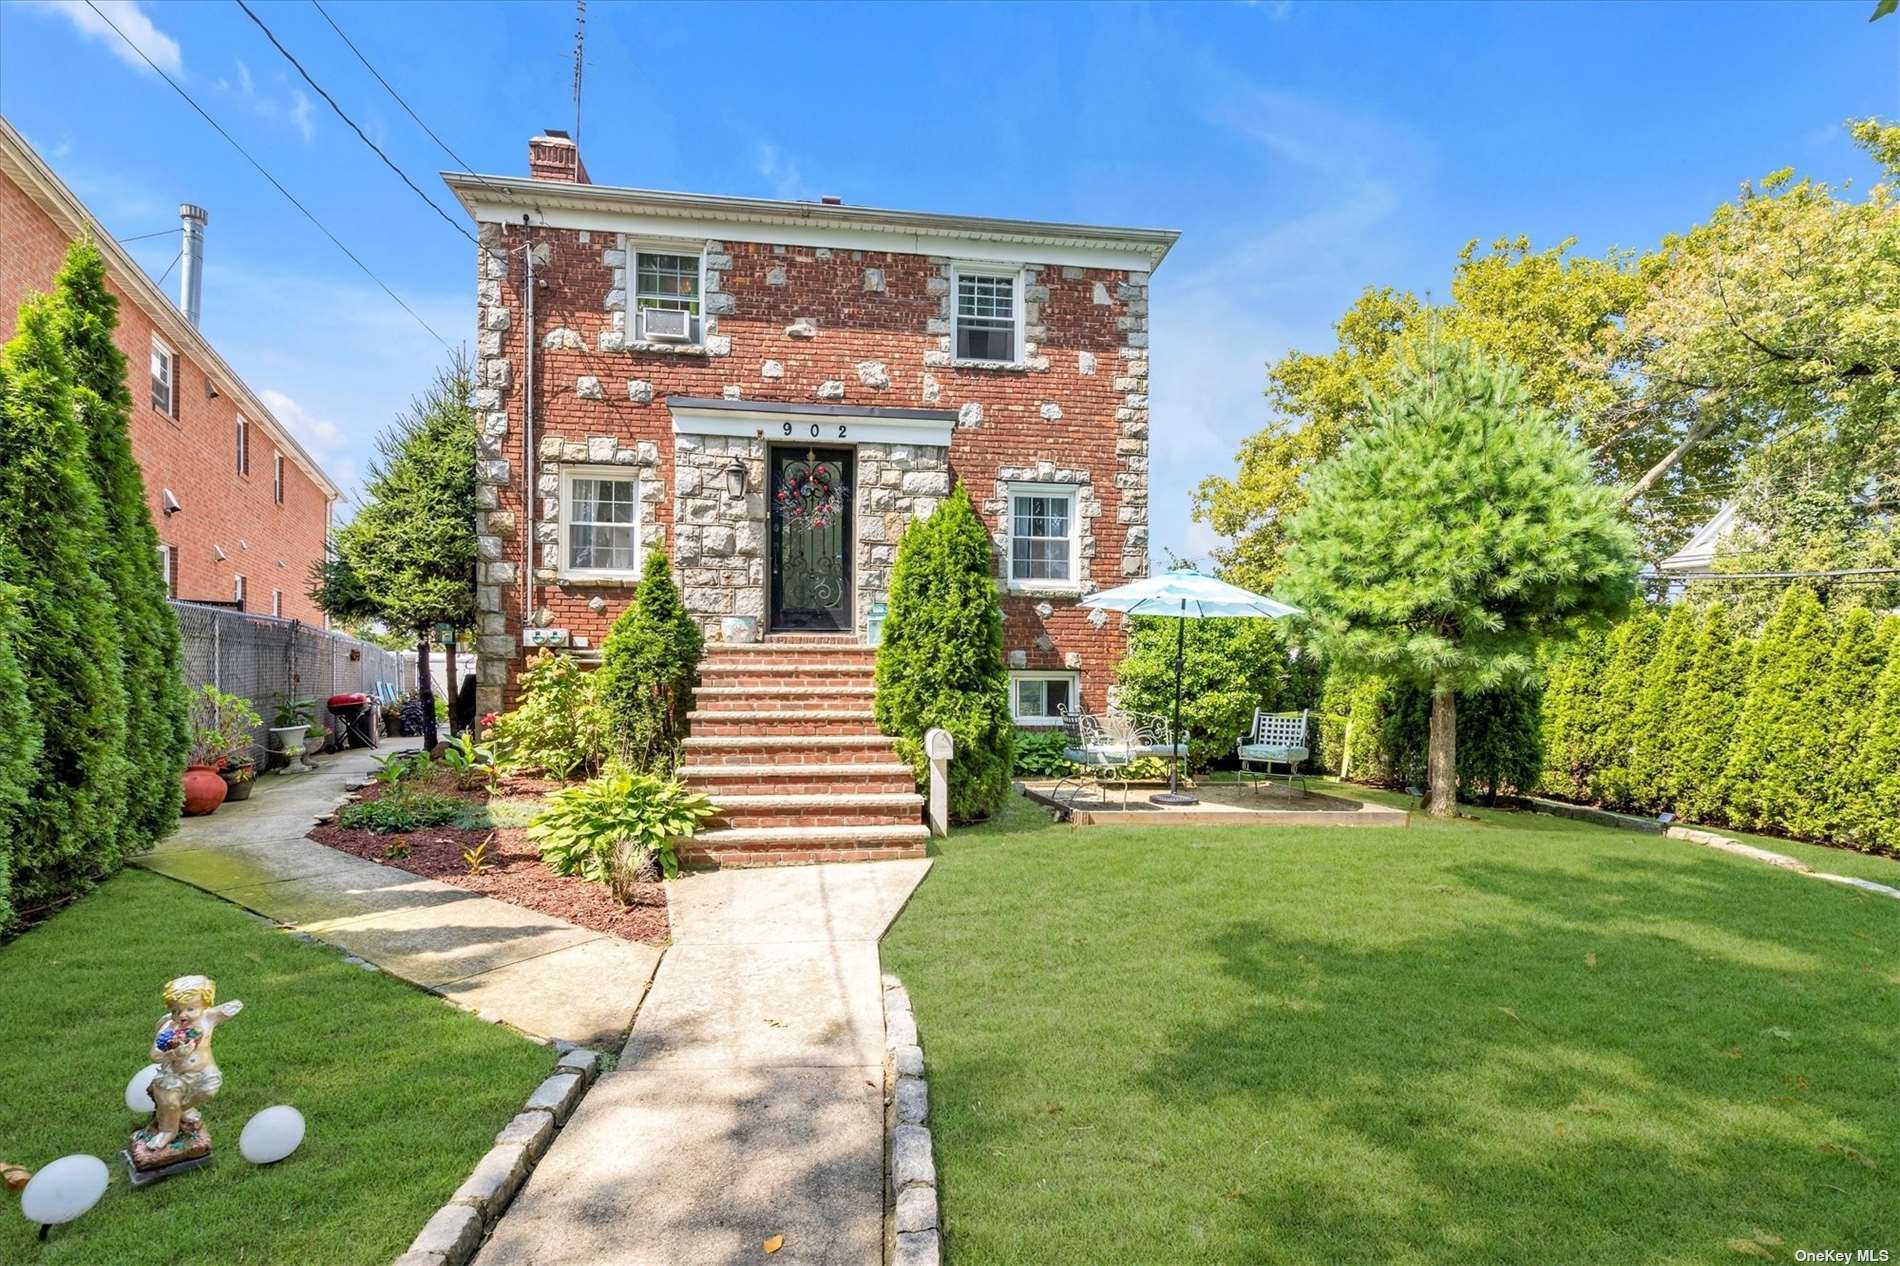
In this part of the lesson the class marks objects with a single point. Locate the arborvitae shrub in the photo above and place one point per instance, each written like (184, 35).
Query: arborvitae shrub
(1629, 648)
(1500, 740)
(940, 664)
(1702, 724)
(1860, 656)
(645, 681)
(52, 530)
(1652, 757)
(1572, 714)
(1777, 768)
(21, 729)
(157, 726)
(1869, 817)
(1229, 668)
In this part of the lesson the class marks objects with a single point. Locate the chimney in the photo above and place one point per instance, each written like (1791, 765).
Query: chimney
(554, 156)
(191, 273)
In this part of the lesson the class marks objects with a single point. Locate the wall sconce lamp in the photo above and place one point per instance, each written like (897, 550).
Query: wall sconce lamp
(735, 480)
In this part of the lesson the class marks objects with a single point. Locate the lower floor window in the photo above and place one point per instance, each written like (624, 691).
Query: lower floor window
(1039, 698)
(600, 514)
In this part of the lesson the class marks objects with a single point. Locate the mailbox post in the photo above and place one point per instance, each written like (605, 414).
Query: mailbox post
(939, 747)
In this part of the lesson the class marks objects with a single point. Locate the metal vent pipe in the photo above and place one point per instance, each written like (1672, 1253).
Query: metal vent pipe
(191, 270)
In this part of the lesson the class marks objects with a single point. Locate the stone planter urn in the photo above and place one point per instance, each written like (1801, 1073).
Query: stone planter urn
(288, 742)
(204, 790)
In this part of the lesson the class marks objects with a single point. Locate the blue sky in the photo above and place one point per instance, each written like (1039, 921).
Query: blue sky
(1304, 150)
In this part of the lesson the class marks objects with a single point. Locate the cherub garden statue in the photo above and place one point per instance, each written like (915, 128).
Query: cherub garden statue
(187, 1077)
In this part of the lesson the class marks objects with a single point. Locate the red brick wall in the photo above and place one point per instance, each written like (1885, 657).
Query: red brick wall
(853, 325)
(193, 454)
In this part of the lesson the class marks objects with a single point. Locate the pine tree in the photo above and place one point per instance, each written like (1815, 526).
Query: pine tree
(1444, 544)
(1652, 755)
(1629, 647)
(647, 665)
(157, 712)
(1500, 740)
(941, 660)
(1571, 715)
(1860, 654)
(52, 529)
(1780, 752)
(1703, 723)
(1869, 818)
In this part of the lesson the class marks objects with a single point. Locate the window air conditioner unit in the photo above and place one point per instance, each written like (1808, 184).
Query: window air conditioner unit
(662, 325)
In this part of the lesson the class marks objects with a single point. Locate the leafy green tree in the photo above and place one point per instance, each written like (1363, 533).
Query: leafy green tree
(1352, 712)
(157, 728)
(941, 660)
(411, 547)
(1778, 762)
(52, 528)
(647, 665)
(1703, 722)
(1229, 668)
(1631, 646)
(1652, 771)
(22, 731)
(1452, 537)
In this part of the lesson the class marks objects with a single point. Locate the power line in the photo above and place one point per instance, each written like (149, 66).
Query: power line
(142, 236)
(275, 183)
(361, 135)
(441, 144)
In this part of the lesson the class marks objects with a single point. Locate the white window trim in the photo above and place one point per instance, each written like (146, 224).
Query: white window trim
(660, 246)
(277, 478)
(974, 268)
(1073, 585)
(170, 408)
(240, 590)
(623, 474)
(1018, 676)
(277, 603)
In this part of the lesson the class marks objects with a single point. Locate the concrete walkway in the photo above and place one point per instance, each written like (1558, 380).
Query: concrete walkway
(539, 974)
(749, 1101)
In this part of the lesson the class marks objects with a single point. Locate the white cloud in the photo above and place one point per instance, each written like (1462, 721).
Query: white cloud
(780, 170)
(133, 24)
(312, 432)
(300, 115)
(294, 108)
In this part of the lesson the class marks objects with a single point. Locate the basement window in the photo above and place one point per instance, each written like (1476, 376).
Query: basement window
(666, 283)
(164, 380)
(600, 524)
(988, 325)
(1039, 698)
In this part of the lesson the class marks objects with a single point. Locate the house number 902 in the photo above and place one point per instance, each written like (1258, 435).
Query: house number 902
(815, 430)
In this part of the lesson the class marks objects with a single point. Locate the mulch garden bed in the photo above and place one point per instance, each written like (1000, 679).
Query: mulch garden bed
(514, 872)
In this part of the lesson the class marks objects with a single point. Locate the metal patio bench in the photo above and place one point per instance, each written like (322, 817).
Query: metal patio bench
(1276, 738)
(1107, 745)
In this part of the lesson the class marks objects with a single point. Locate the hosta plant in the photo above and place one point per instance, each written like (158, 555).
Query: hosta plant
(584, 827)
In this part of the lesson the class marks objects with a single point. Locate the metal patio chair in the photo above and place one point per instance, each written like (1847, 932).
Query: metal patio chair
(1102, 749)
(1277, 738)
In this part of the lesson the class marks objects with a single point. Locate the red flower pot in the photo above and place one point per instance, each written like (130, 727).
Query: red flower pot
(204, 790)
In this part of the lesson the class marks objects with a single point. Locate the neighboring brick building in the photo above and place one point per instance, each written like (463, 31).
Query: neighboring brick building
(770, 390)
(241, 509)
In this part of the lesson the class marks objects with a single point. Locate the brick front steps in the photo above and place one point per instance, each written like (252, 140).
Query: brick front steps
(784, 743)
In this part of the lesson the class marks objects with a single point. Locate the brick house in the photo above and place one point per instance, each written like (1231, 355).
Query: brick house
(242, 510)
(771, 390)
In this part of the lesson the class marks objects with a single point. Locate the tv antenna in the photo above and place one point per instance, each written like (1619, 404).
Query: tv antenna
(580, 41)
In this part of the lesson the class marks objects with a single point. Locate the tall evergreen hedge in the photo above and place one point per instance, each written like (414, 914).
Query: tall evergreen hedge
(157, 712)
(941, 660)
(1793, 731)
(1500, 743)
(52, 532)
(647, 664)
(21, 744)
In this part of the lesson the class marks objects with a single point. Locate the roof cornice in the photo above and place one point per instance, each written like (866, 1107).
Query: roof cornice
(477, 192)
(26, 169)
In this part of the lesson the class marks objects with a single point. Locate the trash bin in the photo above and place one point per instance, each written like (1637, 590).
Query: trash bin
(360, 716)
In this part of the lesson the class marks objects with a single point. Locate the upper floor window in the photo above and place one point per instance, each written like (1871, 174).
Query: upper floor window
(988, 324)
(164, 380)
(1042, 535)
(600, 523)
(239, 591)
(666, 283)
(277, 603)
(277, 478)
(243, 447)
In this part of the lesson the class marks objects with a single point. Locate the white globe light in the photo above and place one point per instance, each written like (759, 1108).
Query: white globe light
(138, 1091)
(64, 1190)
(271, 1135)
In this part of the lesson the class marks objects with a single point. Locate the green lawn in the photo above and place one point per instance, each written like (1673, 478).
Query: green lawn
(402, 1093)
(1518, 1039)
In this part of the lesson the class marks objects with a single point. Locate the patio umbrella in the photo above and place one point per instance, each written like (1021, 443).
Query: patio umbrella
(1184, 594)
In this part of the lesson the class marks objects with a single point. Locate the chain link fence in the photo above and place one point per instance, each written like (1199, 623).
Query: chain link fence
(266, 660)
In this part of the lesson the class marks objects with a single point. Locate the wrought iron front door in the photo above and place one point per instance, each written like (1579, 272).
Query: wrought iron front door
(811, 538)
